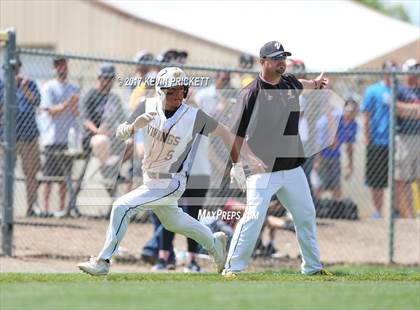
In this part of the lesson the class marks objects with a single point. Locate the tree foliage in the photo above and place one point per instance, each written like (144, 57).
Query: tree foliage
(396, 10)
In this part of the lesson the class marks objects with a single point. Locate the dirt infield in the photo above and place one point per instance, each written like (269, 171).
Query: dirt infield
(55, 245)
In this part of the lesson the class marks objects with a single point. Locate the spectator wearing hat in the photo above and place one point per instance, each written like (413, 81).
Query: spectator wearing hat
(139, 93)
(142, 71)
(246, 62)
(59, 100)
(375, 110)
(28, 99)
(168, 56)
(102, 113)
(408, 137)
(181, 58)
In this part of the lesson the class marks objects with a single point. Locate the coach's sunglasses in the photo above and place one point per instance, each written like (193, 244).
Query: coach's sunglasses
(277, 57)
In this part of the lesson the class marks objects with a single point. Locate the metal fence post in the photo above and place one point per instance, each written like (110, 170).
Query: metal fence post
(9, 140)
(391, 165)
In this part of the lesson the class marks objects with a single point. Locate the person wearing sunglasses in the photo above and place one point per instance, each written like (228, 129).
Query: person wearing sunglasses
(268, 130)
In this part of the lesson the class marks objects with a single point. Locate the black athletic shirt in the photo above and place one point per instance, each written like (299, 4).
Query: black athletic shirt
(270, 122)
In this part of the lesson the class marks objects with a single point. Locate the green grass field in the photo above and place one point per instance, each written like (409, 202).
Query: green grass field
(350, 288)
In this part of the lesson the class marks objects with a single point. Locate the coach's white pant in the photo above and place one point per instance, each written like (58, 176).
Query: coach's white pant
(161, 197)
(292, 190)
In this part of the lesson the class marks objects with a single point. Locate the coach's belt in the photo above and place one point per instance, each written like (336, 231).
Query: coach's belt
(157, 175)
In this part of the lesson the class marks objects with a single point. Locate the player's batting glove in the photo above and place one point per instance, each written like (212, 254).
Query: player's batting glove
(143, 120)
(124, 131)
(237, 173)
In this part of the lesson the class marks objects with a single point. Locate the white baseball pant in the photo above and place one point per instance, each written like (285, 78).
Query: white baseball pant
(161, 196)
(292, 190)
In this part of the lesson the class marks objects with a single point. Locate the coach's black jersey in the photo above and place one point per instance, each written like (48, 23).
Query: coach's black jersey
(270, 122)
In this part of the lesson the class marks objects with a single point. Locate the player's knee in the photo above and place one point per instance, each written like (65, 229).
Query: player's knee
(118, 206)
(173, 226)
(306, 218)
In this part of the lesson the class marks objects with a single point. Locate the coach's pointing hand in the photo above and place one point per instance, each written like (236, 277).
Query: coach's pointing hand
(320, 81)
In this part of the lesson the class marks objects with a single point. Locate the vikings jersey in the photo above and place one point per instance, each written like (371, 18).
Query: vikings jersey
(169, 141)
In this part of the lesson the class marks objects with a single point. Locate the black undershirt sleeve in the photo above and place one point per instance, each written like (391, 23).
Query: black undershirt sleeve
(247, 99)
(295, 83)
(204, 124)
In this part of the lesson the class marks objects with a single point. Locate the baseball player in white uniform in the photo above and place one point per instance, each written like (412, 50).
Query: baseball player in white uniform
(268, 128)
(170, 127)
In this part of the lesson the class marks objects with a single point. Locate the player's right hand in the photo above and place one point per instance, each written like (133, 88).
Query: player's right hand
(255, 164)
(237, 173)
(124, 131)
(143, 120)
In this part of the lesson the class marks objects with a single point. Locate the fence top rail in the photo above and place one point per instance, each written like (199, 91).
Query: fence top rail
(44, 53)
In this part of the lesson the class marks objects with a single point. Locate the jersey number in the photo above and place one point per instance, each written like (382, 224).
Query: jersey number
(169, 155)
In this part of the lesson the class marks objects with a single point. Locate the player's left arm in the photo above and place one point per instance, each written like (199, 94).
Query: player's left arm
(228, 139)
(319, 82)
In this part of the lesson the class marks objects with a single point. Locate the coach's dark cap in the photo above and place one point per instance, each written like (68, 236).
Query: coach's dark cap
(106, 70)
(273, 49)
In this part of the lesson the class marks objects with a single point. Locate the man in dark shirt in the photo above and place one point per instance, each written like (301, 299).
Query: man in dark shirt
(407, 159)
(28, 99)
(268, 128)
(102, 113)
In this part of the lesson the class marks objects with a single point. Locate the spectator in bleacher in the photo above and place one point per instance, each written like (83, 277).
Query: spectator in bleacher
(307, 119)
(240, 80)
(102, 113)
(211, 98)
(139, 93)
(167, 56)
(27, 100)
(328, 161)
(172, 56)
(181, 58)
(60, 102)
(407, 159)
(141, 72)
(375, 108)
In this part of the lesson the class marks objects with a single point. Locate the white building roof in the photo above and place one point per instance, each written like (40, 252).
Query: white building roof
(327, 35)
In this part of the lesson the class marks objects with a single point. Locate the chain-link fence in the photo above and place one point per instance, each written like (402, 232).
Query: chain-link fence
(70, 167)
